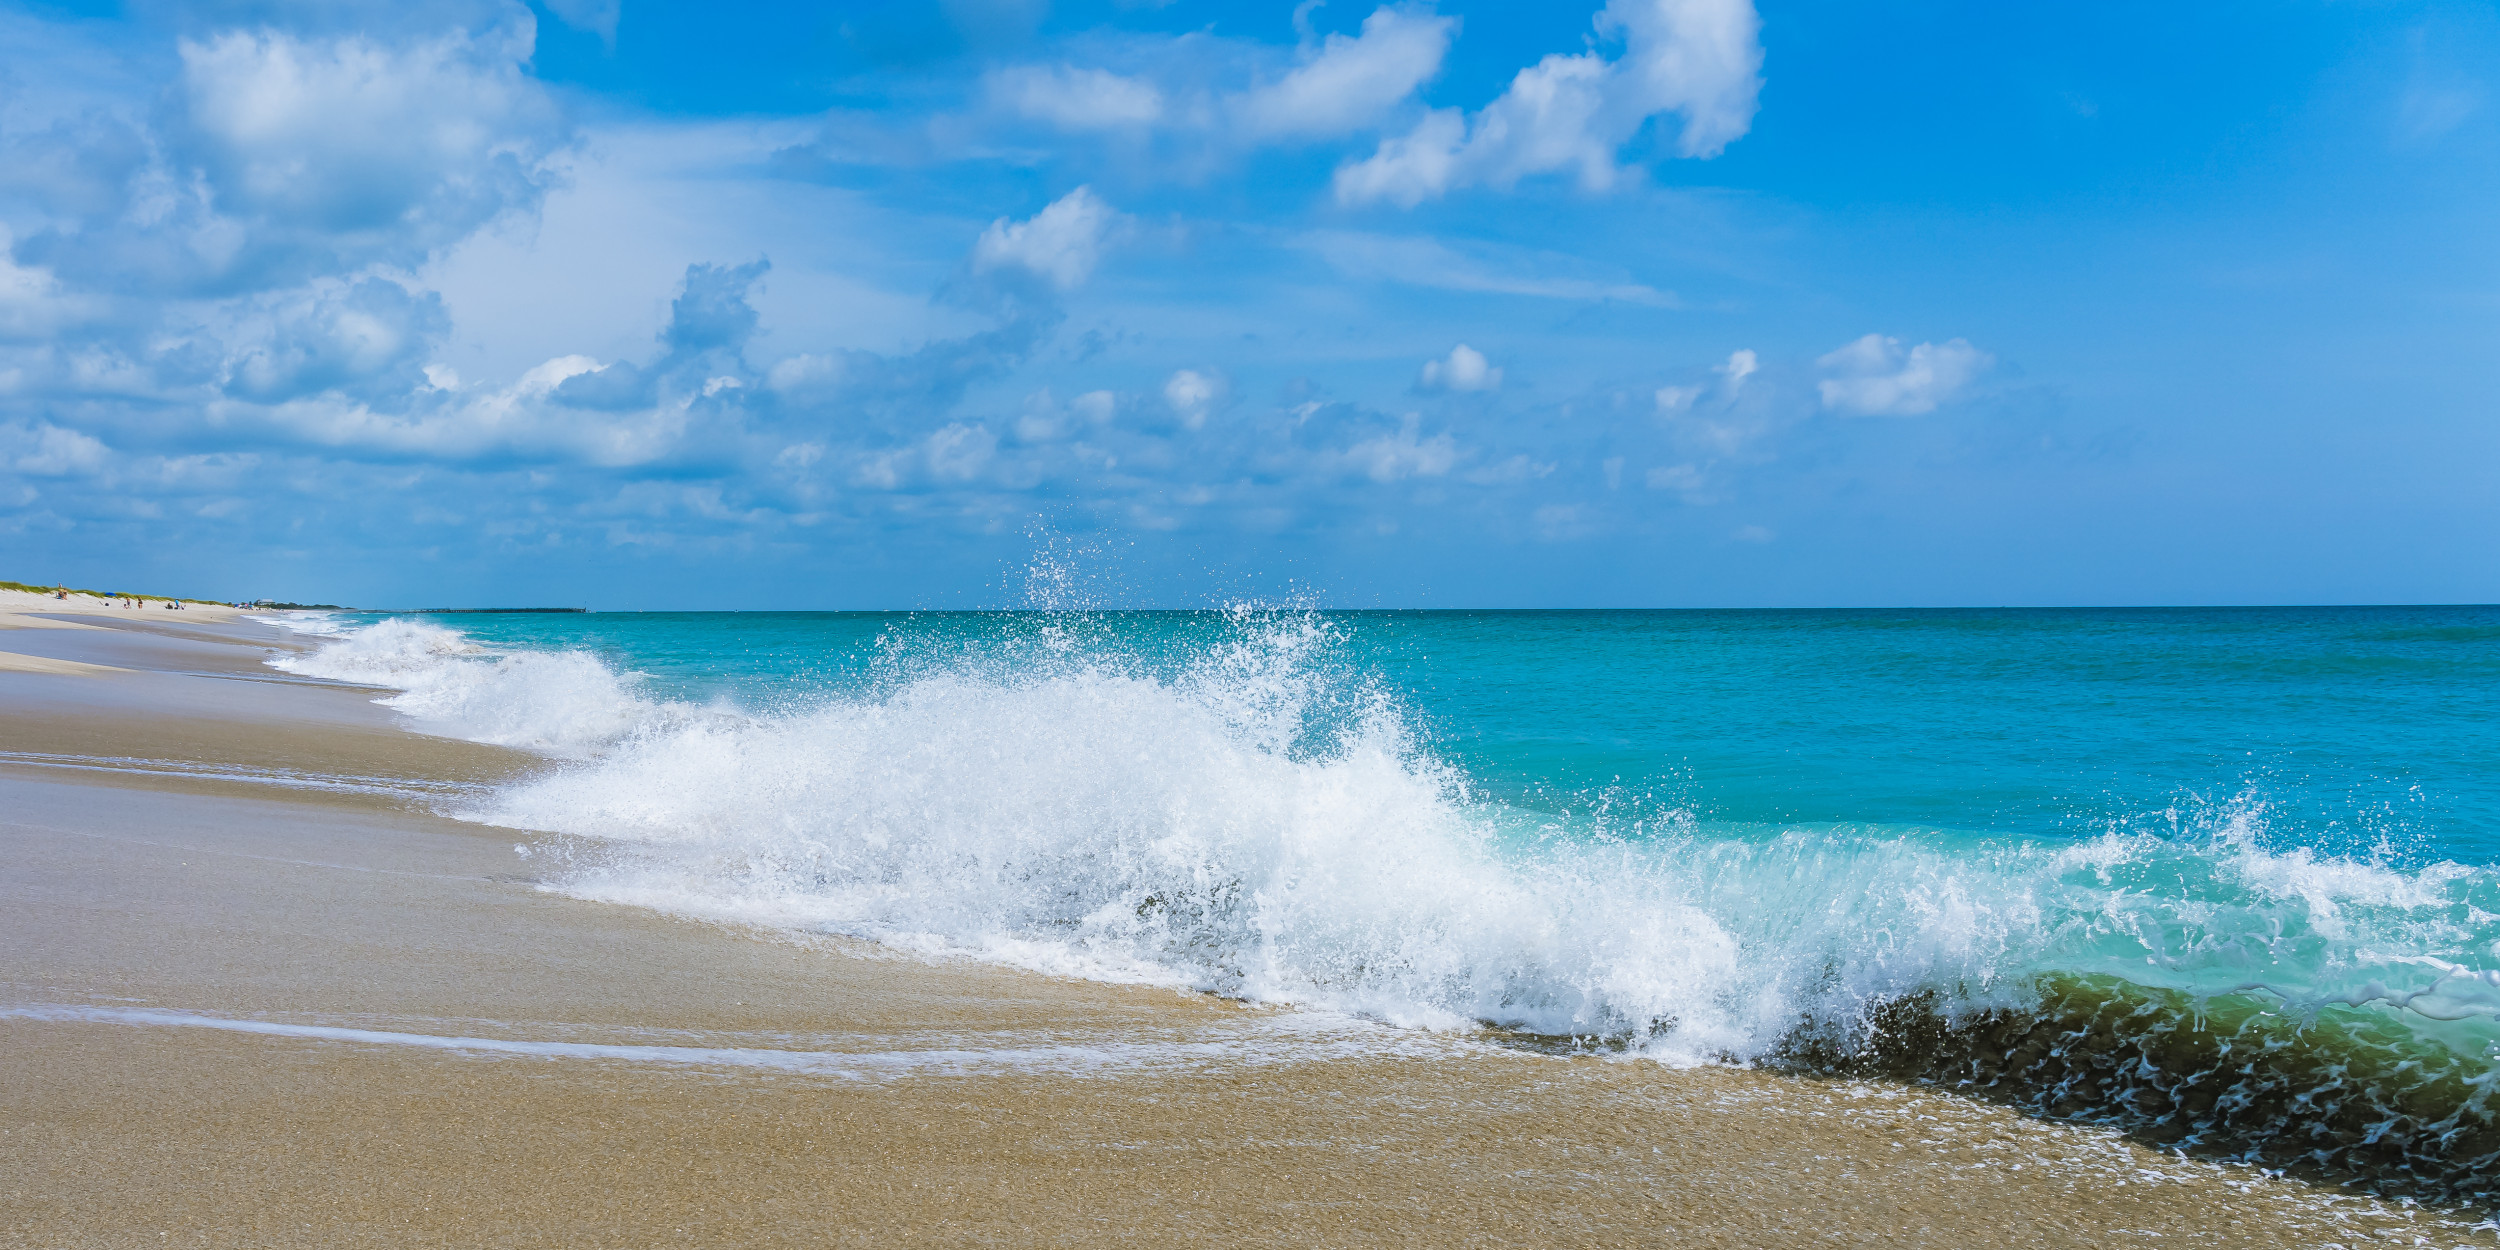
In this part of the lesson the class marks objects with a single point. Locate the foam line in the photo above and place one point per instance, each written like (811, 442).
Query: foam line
(293, 780)
(1061, 1060)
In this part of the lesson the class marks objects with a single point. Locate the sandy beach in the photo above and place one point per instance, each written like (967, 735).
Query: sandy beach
(259, 992)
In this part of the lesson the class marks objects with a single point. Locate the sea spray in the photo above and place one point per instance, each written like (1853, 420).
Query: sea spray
(1237, 805)
(566, 702)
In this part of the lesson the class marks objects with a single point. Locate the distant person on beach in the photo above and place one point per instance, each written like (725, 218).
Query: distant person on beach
(61, 593)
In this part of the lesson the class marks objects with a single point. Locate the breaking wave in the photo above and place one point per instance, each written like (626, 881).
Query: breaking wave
(1243, 811)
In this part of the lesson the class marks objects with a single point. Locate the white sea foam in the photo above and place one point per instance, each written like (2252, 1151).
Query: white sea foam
(560, 701)
(308, 621)
(1230, 1049)
(1251, 820)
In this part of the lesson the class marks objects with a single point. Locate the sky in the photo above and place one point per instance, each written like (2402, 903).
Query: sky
(961, 303)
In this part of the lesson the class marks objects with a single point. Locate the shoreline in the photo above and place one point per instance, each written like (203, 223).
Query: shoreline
(641, 1078)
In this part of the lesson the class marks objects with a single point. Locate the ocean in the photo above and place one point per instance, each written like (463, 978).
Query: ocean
(2228, 879)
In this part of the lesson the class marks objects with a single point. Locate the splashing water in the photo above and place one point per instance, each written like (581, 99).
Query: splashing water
(1244, 804)
(559, 701)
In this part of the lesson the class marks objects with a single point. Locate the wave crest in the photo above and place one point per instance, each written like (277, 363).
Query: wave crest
(561, 701)
(1240, 810)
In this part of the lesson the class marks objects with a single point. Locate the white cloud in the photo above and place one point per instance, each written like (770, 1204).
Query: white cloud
(1571, 113)
(1741, 364)
(1698, 58)
(1351, 84)
(30, 300)
(805, 373)
(1464, 369)
(391, 151)
(1062, 242)
(1754, 534)
(1411, 168)
(1405, 454)
(596, 16)
(48, 450)
(1339, 85)
(1044, 418)
(960, 452)
(372, 336)
(542, 378)
(1192, 395)
(1074, 98)
(1874, 377)
(1095, 406)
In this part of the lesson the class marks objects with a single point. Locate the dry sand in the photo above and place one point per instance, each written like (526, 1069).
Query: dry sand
(192, 849)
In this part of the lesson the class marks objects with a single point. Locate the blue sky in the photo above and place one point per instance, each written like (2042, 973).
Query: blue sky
(1664, 302)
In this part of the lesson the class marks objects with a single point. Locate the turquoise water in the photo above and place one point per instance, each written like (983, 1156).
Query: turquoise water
(2252, 851)
(2368, 731)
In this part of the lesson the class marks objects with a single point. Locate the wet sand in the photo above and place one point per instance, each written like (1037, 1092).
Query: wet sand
(195, 849)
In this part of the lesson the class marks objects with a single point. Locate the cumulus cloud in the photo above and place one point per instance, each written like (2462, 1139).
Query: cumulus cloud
(1700, 59)
(392, 150)
(47, 450)
(76, 167)
(711, 312)
(1062, 243)
(1193, 395)
(1404, 454)
(371, 337)
(1741, 364)
(1873, 376)
(1095, 407)
(31, 301)
(348, 370)
(1349, 84)
(278, 206)
(285, 157)
(1464, 369)
(960, 452)
(1338, 85)
(1044, 418)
